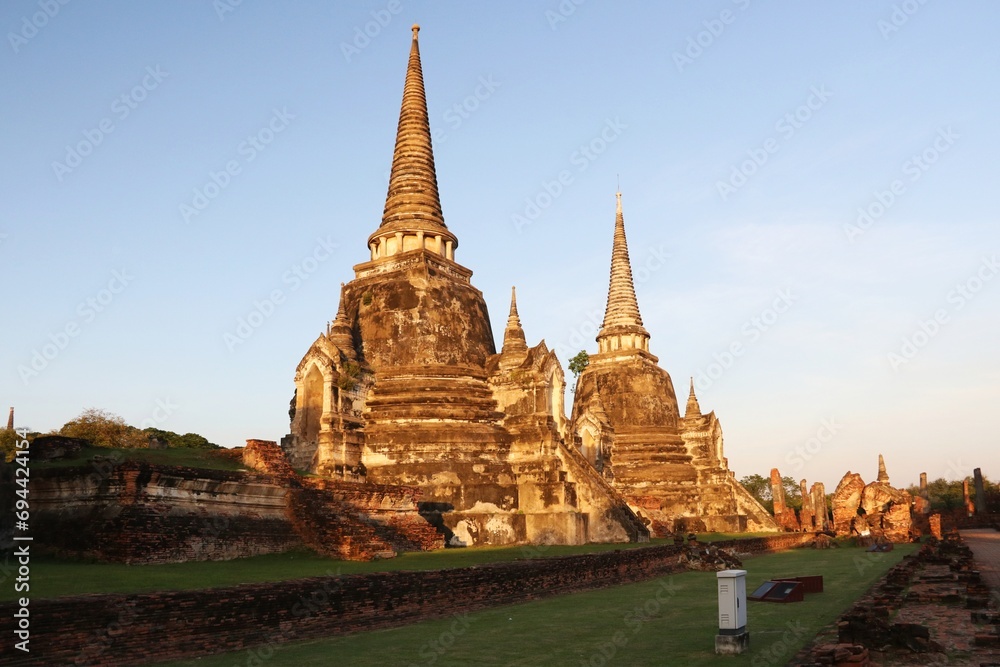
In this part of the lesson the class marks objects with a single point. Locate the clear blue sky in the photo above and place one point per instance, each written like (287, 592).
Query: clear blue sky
(746, 136)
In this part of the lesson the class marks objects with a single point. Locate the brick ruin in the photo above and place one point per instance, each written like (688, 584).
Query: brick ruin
(784, 515)
(877, 509)
(405, 387)
(813, 516)
(133, 512)
(927, 609)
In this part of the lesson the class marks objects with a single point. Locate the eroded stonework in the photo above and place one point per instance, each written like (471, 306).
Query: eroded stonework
(405, 387)
(876, 509)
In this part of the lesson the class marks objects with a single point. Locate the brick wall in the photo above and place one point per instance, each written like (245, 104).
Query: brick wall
(134, 512)
(131, 629)
(140, 513)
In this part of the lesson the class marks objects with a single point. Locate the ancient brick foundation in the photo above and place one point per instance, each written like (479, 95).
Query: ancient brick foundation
(941, 575)
(141, 513)
(134, 629)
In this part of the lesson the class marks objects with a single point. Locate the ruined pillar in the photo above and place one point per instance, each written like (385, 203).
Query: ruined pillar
(818, 493)
(777, 492)
(935, 523)
(807, 514)
(966, 499)
(980, 491)
(10, 420)
(783, 514)
(922, 502)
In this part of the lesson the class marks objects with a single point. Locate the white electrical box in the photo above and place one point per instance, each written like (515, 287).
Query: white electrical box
(732, 601)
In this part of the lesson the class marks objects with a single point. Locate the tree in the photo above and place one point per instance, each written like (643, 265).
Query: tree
(945, 495)
(104, 429)
(948, 495)
(579, 362)
(760, 488)
(188, 440)
(8, 444)
(793, 492)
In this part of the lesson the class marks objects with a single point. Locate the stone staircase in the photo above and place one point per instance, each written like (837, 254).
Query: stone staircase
(585, 473)
(346, 520)
(329, 527)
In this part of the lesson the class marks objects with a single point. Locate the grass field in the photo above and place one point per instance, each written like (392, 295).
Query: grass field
(55, 578)
(670, 621)
(213, 459)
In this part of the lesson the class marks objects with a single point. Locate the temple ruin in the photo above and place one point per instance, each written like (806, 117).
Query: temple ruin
(876, 509)
(405, 387)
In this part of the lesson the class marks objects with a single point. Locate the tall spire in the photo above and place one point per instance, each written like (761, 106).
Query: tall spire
(622, 327)
(515, 347)
(692, 409)
(412, 203)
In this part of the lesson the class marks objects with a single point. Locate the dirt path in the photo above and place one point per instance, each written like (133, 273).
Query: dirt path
(985, 545)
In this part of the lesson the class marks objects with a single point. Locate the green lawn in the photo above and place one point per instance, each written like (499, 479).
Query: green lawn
(52, 577)
(56, 578)
(213, 459)
(670, 621)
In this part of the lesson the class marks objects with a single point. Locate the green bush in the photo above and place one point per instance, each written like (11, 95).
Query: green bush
(7, 444)
(104, 429)
(188, 440)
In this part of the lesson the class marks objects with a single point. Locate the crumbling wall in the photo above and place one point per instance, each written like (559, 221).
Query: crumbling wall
(876, 509)
(887, 511)
(846, 500)
(141, 513)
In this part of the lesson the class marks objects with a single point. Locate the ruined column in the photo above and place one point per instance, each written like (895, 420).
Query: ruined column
(980, 491)
(783, 514)
(922, 502)
(10, 420)
(777, 492)
(935, 525)
(807, 514)
(966, 499)
(818, 493)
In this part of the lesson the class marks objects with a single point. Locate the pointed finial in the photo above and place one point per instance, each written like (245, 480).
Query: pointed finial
(416, 29)
(515, 346)
(692, 409)
(618, 204)
(883, 476)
